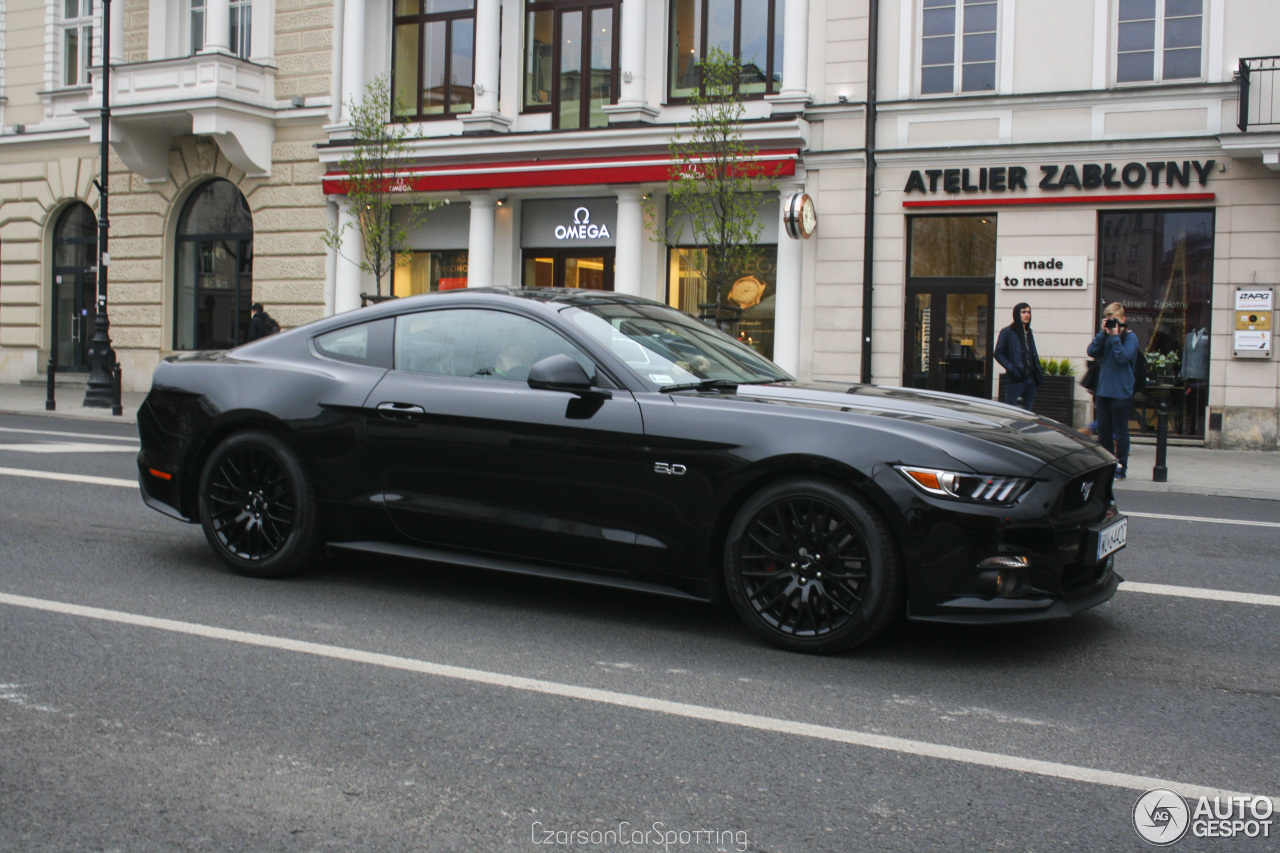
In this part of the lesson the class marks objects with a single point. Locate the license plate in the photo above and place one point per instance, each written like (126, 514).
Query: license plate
(1112, 538)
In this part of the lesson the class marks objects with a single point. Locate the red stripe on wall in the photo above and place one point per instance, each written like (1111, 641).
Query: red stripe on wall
(1070, 199)
(554, 173)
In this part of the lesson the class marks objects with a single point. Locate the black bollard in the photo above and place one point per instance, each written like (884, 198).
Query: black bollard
(117, 375)
(50, 403)
(1160, 473)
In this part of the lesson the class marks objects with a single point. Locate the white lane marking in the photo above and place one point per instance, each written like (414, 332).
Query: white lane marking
(1197, 592)
(68, 447)
(1201, 518)
(72, 434)
(70, 478)
(627, 700)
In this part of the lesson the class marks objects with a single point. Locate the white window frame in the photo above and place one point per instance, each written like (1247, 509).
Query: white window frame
(85, 24)
(1157, 71)
(1002, 8)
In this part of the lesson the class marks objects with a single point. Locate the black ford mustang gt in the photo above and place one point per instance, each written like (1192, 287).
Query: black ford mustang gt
(611, 439)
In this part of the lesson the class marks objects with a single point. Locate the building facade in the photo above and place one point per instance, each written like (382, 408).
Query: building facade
(1065, 155)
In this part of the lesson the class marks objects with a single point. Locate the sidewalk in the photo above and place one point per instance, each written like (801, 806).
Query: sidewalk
(1192, 470)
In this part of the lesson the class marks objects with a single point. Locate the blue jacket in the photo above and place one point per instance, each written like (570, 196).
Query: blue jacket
(1011, 353)
(1116, 355)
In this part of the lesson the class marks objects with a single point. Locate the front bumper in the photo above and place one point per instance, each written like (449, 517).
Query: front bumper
(1049, 540)
(971, 610)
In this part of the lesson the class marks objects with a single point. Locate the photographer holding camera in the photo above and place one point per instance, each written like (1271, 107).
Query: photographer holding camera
(1117, 350)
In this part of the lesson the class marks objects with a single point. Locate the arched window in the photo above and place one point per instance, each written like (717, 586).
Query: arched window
(75, 281)
(215, 269)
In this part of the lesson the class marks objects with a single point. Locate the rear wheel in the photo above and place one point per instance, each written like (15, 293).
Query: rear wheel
(812, 568)
(257, 506)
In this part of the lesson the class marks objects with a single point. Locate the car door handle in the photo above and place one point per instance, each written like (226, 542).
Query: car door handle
(400, 411)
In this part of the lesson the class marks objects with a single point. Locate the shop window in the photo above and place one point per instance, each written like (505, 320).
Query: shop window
(746, 306)
(214, 275)
(1167, 296)
(953, 246)
(1158, 40)
(958, 46)
(433, 58)
(241, 23)
(428, 272)
(77, 42)
(749, 30)
(571, 61)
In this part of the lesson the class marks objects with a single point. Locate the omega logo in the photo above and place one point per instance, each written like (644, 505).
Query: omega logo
(582, 228)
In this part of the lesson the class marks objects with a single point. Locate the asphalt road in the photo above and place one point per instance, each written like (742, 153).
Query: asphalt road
(150, 700)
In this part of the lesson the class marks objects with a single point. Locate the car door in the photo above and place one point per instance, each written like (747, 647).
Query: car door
(473, 458)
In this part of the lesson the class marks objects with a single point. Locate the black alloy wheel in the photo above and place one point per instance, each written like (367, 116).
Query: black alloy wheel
(812, 568)
(257, 507)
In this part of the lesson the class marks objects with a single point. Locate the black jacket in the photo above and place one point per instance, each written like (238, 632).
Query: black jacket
(258, 326)
(1016, 349)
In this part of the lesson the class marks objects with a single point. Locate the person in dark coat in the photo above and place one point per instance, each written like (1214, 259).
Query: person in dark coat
(258, 323)
(1116, 349)
(1017, 354)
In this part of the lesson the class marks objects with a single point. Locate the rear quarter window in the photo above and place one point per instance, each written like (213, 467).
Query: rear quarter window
(364, 343)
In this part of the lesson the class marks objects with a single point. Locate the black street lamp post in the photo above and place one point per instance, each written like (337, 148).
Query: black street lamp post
(104, 372)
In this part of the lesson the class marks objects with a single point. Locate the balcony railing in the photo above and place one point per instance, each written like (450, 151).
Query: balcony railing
(1259, 98)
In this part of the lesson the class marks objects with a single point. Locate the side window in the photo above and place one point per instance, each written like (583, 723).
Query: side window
(366, 343)
(474, 342)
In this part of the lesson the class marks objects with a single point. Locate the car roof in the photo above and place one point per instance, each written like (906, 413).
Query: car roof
(539, 295)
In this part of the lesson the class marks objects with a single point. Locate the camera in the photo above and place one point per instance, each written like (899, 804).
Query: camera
(1110, 322)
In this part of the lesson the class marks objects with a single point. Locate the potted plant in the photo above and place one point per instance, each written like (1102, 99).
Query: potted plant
(1055, 395)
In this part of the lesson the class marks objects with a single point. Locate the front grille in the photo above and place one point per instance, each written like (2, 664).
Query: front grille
(1089, 489)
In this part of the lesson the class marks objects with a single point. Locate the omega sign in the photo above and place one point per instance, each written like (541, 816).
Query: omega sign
(582, 228)
(1087, 176)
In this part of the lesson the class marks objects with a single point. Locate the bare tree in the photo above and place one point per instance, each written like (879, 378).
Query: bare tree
(713, 200)
(379, 147)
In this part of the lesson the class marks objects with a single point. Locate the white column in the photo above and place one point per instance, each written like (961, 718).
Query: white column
(330, 260)
(487, 41)
(786, 316)
(630, 241)
(631, 52)
(632, 105)
(217, 26)
(484, 117)
(795, 61)
(353, 81)
(347, 276)
(115, 50)
(480, 240)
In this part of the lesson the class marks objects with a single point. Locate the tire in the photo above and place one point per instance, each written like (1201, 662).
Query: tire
(812, 568)
(257, 506)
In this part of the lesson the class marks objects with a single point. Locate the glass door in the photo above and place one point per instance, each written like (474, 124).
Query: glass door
(75, 286)
(949, 339)
(590, 269)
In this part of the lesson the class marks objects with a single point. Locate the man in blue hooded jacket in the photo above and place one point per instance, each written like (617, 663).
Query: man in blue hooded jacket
(1117, 350)
(1016, 352)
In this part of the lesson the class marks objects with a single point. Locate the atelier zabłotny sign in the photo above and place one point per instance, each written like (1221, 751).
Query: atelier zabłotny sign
(1087, 176)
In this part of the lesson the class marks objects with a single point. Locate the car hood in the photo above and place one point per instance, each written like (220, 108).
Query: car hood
(965, 427)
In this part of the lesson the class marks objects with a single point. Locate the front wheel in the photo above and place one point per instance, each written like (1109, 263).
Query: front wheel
(812, 568)
(257, 507)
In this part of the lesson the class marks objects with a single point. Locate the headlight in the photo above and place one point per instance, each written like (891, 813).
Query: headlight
(977, 488)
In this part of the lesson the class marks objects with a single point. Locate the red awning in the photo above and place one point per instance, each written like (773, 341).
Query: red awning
(555, 173)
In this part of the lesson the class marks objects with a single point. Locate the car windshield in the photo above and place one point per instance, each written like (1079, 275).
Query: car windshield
(666, 347)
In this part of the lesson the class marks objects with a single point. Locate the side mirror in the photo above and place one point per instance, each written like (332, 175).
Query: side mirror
(559, 372)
